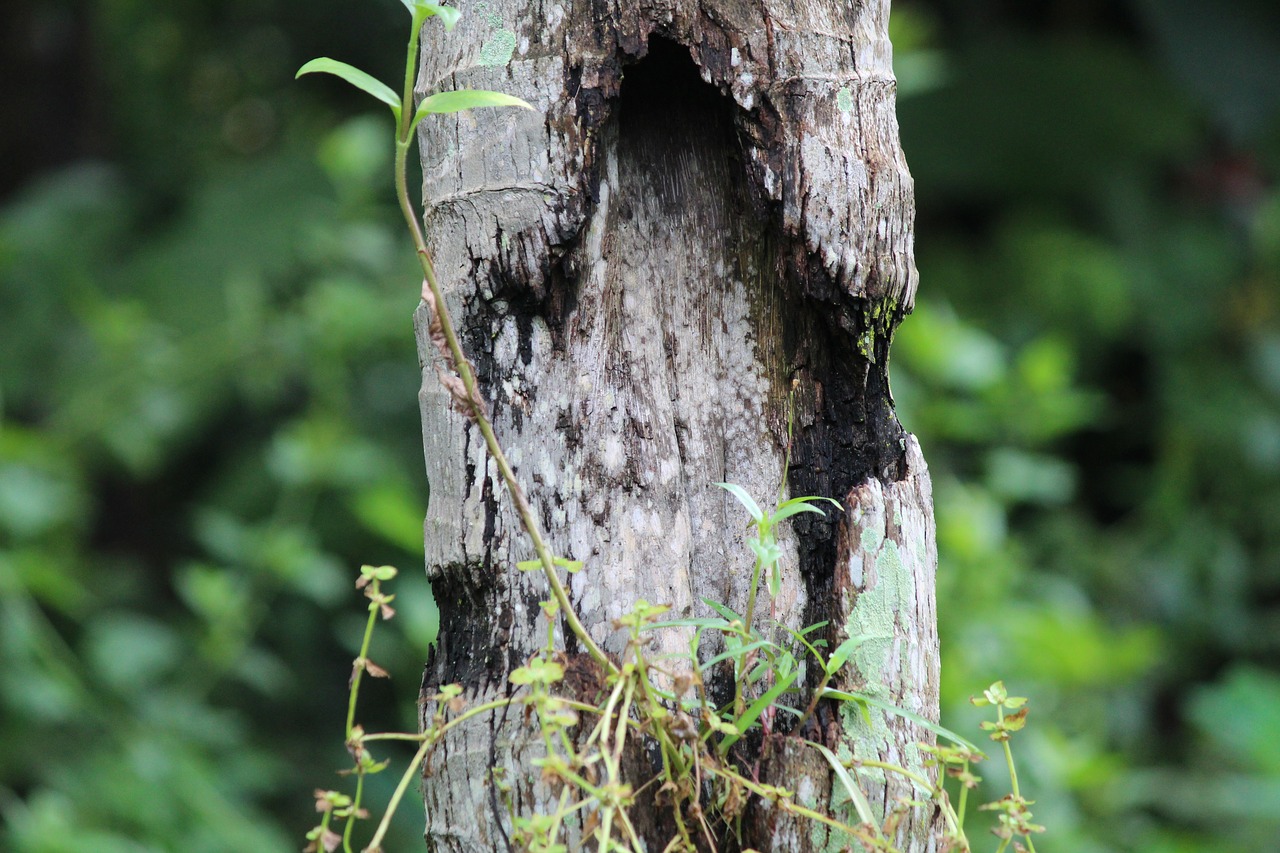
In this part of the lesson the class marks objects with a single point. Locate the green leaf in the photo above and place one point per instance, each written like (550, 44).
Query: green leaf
(858, 798)
(799, 637)
(995, 694)
(745, 499)
(842, 653)
(738, 652)
(355, 77)
(722, 610)
(768, 552)
(571, 566)
(131, 652)
(784, 512)
(1240, 715)
(464, 99)
(786, 509)
(753, 712)
(382, 573)
(423, 9)
(448, 16)
(865, 710)
(537, 671)
(392, 511)
(938, 730)
(704, 622)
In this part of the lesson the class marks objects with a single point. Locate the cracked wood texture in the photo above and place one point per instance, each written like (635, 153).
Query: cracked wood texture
(706, 225)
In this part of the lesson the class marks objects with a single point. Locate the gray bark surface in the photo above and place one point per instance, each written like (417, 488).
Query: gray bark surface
(706, 225)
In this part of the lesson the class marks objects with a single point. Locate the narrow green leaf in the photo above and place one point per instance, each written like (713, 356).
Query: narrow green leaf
(759, 671)
(787, 511)
(464, 99)
(706, 622)
(722, 610)
(753, 712)
(799, 637)
(865, 710)
(859, 799)
(737, 652)
(808, 499)
(743, 498)
(901, 712)
(529, 565)
(842, 653)
(356, 77)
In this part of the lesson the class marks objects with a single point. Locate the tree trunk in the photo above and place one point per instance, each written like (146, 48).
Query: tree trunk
(704, 231)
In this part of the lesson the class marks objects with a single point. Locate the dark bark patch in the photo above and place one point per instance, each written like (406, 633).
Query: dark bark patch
(465, 652)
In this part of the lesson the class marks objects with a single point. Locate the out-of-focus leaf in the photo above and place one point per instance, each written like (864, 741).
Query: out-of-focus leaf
(324, 451)
(1241, 716)
(356, 155)
(1017, 475)
(948, 352)
(393, 512)
(1076, 648)
(131, 652)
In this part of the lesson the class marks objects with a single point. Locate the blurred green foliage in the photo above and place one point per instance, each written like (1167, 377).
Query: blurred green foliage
(209, 388)
(1093, 373)
(207, 384)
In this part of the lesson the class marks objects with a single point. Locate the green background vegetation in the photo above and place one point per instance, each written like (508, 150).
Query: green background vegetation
(208, 391)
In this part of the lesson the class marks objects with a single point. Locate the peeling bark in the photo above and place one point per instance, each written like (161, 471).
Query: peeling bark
(707, 223)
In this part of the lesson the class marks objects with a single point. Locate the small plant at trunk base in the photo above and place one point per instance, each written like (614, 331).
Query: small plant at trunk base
(706, 752)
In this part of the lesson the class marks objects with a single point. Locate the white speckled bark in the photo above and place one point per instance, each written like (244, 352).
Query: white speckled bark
(642, 281)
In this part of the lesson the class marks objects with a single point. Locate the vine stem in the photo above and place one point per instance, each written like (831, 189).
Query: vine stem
(356, 677)
(745, 661)
(1013, 773)
(355, 811)
(1008, 755)
(419, 757)
(404, 140)
(935, 791)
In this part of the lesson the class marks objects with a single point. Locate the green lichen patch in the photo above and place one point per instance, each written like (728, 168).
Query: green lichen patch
(499, 49)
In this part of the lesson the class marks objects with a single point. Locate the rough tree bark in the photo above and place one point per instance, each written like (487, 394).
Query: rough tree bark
(708, 216)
